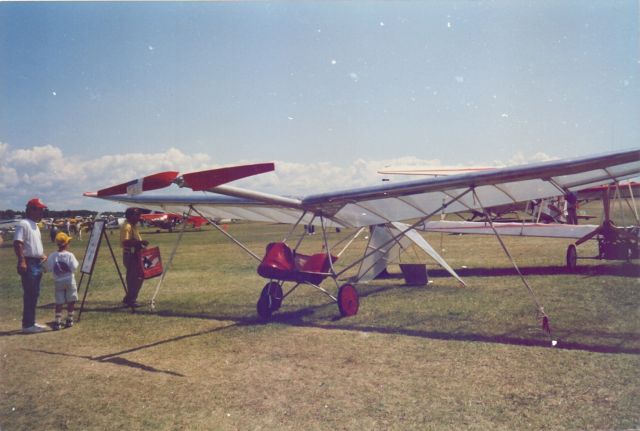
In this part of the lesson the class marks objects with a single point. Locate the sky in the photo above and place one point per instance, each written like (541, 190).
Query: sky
(94, 94)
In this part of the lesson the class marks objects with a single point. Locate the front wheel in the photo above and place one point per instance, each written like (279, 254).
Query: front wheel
(348, 302)
(275, 295)
(270, 300)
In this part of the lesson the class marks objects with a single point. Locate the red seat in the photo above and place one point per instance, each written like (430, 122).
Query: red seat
(278, 256)
(280, 263)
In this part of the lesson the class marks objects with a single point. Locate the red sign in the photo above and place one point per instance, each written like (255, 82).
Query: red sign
(150, 262)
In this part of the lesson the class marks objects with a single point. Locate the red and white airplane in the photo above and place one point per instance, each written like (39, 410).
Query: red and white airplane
(169, 221)
(392, 211)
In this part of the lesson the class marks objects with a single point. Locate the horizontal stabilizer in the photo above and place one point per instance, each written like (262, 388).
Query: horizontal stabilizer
(205, 180)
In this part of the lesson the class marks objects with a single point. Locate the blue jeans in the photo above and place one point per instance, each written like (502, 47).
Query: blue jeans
(31, 291)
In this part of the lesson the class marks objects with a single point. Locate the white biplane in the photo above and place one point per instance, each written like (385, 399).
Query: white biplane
(392, 211)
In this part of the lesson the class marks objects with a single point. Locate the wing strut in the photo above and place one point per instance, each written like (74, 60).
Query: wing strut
(395, 238)
(542, 314)
(633, 201)
(152, 304)
(225, 233)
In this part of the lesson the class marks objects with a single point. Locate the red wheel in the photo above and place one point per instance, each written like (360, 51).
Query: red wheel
(348, 300)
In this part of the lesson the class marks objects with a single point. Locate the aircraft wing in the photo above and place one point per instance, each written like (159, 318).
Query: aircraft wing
(8, 223)
(626, 190)
(403, 201)
(544, 230)
(416, 199)
(216, 206)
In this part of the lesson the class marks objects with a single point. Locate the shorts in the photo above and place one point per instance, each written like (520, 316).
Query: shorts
(66, 291)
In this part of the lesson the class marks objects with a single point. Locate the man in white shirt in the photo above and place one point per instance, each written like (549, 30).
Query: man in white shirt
(27, 245)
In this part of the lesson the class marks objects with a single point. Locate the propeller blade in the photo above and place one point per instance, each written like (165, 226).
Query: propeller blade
(204, 180)
(150, 182)
(590, 235)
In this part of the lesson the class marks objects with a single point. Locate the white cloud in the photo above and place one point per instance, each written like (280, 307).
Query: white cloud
(519, 159)
(60, 180)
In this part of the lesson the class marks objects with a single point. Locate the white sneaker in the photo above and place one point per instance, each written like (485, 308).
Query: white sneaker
(41, 326)
(33, 329)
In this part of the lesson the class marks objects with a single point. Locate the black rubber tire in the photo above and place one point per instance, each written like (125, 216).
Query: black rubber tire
(275, 295)
(572, 257)
(263, 307)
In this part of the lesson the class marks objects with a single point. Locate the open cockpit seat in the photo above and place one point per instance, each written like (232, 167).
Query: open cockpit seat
(282, 263)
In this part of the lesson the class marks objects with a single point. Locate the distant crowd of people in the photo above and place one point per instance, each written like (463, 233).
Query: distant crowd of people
(76, 227)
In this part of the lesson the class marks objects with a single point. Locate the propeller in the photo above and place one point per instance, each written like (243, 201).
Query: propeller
(196, 181)
(606, 224)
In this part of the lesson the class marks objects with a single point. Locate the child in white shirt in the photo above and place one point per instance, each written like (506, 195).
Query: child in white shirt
(63, 265)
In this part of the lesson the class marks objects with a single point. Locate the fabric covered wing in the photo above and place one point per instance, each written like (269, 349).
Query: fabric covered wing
(221, 207)
(407, 200)
(416, 199)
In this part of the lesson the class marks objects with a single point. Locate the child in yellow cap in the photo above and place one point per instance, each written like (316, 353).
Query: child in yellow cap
(63, 265)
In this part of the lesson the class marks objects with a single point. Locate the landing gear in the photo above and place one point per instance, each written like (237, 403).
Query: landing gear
(572, 257)
(270, 300)
(348, 300)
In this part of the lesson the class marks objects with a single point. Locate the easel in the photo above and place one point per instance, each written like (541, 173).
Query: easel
(90, 257)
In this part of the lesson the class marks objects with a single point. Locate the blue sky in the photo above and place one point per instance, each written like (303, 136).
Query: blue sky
(99, 93)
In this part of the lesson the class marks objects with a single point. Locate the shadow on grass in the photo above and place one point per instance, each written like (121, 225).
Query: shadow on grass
(160, 231)
(115, 358)
(620, 270)
(111, 359)
(300, 317)
(297, 318)
(291, 319)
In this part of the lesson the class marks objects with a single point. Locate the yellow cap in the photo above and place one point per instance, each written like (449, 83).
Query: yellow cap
(62, 238)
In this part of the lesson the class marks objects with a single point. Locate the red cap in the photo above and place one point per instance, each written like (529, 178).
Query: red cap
(36, 203)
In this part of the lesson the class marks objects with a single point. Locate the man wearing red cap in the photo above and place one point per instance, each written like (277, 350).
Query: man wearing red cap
(27, 244)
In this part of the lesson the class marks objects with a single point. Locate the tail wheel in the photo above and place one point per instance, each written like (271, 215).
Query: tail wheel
(348, 302)
(572, 257)
(270, 300)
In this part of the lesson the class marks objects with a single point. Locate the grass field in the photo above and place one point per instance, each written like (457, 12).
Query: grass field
(415, 357)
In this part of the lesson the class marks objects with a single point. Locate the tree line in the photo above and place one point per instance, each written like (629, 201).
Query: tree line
(10, 214)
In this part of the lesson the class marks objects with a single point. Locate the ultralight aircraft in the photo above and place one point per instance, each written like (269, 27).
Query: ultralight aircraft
(391, 211)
